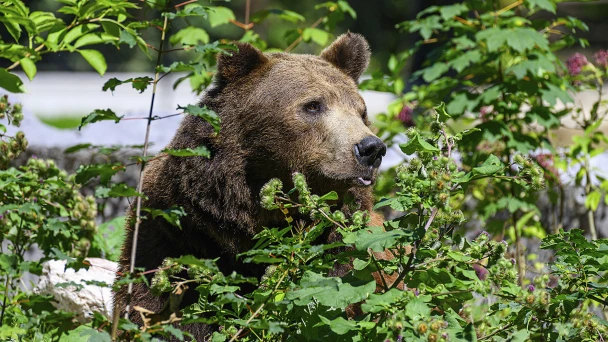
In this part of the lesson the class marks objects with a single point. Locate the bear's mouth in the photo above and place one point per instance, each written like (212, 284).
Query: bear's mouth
(364, 181)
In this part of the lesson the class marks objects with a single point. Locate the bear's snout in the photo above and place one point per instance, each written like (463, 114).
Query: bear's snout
(369, 151)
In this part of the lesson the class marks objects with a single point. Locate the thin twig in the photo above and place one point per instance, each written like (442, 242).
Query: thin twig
(14, 65)
(247, 11)
(141, 171)
(599, 300)
(299, 39)
(428, 223)
(406, 269)
(8, 279)
(496, 332)
(379, 272)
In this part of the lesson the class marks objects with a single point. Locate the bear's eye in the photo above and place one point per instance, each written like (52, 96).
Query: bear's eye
(313, 107)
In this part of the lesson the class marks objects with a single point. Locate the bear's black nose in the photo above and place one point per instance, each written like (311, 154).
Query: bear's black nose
(369, 151)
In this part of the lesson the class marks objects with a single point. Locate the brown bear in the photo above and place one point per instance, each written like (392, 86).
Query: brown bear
(280, 113)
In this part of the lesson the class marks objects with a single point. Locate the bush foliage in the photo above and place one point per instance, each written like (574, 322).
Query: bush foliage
(474, 126)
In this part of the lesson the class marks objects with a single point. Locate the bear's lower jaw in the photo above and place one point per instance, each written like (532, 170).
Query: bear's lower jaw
(364, 181)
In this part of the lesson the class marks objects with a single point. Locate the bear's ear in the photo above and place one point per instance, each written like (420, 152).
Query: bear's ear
(233, 66)
(349, 53)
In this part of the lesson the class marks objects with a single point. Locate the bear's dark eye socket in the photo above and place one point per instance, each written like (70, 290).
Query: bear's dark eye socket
(313, 107)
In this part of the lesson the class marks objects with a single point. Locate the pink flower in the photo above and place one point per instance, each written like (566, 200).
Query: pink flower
(576, 63)
(601, 58)
(406, 116)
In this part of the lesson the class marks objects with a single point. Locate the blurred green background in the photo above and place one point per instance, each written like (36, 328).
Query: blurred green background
(376, 20)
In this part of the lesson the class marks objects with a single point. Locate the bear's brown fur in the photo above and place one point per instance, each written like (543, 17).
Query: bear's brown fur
(280, 113)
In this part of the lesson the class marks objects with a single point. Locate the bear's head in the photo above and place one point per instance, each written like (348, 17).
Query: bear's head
(292, 112)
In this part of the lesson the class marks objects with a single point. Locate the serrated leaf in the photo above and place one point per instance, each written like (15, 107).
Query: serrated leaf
(219, 15)
(417, 309)
(171, 215)
(203, 112)
(316, 35)
(443, 116)
(127, 38)
(95, 59)
(117, 190)
(189, 36)
(448, 12)
(546, 5)
(177, 333)
(200, 151)
(435, 71)
(84, 173)
(374, 238)
(417, 144)
(490, 166)
(340, 325)
(286, 15)
(99, 115)
(10, 82)
(463, 61)
(330, 292)
(138, 83)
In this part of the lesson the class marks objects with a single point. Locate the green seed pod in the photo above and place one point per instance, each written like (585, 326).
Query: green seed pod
(339, 216)
(160, 283)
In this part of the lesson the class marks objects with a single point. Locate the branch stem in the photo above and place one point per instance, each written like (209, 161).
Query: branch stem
(141, 170)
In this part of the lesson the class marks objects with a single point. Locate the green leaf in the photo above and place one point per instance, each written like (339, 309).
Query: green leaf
(434, 72)
(490, 166)
(553, 93)
(138, 83)
(417, 144)
(78, 32)
(219, 16)
(127, 38)
(463, 61)
(203, 112)
(316, 35)
(443, 116)
(84, 173)
(171, 215)
(177, 333)
(417, 309)
(448, 12)
(340, 325)
(95, 59)
(29, 67)
(330, 292)
(99, 115)
(10, 82)
(379, 302)
(374, 238)
(76, 148)
(546, 5)
(592, 201)
(94, 38)
(330, 196)
(283, 14)
(200, 151)
(189, 36)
